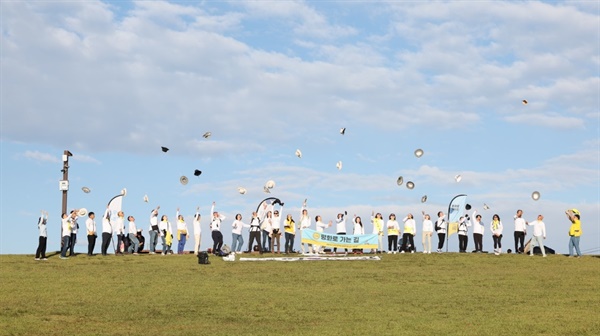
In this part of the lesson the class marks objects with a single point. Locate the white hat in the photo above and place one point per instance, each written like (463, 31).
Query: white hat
(242, 190)
(298, 153)
(343, 130)
(410, 185)
(270, 184)
(207, 135)
(339, 165)
(146, 198)
(86, 190)
(424, 199)
(419, 152)
(266, 190)
(486, 207)
(183, 180)
(535, 195)
(400, 180)
(457, 178)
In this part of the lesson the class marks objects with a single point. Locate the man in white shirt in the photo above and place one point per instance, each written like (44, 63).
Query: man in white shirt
(539, 234)
(90, 226)
(106, 232)
(520, 232)
(478, 230)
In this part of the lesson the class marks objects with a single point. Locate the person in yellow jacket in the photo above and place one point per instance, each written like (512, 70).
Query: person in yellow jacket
(574, 231)
(289, 227)
(377, 220)
(393, 230)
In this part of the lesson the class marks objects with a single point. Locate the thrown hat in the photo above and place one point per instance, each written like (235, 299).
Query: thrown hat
(339, 165)
(164, 149)
(242, 190)
(183, 180)
(146, 198)
(298, 153)
(525, 102)
(343, 130)
(266, 190)
(197, 172)
(468, 206)
(424, 199)
(419, 152)
(86, 190)
(485, 207)
(207, 135)
(410, 185)
(457, 178)
(270, 184)
(535, 195)
(400, 180)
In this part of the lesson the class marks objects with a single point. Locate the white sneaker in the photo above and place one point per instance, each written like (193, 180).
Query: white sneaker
(412, 251)
(395, 252)
(389, 252)
(402, 251)
(37, 259)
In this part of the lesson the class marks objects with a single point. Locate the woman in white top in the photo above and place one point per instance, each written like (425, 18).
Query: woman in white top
(236, 233)
(340, 227)
(410, 229)
(304, 224)
(276, 231)
(320, 228)
(440, 227)
(358, 229)
(427, 232)
(266, 227)
(182, 233)
(40, 253)
(166, 234)
(215, 227)
(132, 234)
(478, 230)
(497, 228)
(393, 230)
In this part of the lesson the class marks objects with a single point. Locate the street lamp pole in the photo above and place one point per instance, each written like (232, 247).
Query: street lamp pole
(64, 187)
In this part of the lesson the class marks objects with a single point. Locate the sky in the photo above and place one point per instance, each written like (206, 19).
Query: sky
(112, 82)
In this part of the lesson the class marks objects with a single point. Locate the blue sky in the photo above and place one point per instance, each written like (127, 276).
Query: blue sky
(114, 81)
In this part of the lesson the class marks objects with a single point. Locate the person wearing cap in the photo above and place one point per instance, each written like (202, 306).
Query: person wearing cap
(106, 232)
(440, 228)
(463, 233)
(410, 229)
(154, 230)
(357, 230)
(40, 253)
(427, 232)
(377, 220)
(520, 232)
(182, 232)
(215, 227)
(119, 230)
(539, 234)
(289, 227)
(90, 226)
(478, 229)
(497, 229)
(132, 235)
(166, 235)
(340, 227)
(574, 231)
(320, 228)
(236, 233)
(254, 232)
(304, 224)
(73, 237)
(393, 230)
(197, 231)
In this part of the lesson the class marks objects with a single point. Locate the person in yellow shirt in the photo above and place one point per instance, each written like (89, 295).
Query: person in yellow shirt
(574, 231)
(289, 227)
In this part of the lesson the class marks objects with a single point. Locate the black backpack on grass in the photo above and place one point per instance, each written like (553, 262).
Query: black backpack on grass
(203, 258)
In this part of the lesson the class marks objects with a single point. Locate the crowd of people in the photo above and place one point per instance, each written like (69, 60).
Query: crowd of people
(265, 232)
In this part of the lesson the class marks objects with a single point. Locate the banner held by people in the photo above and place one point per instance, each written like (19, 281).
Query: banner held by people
(367, 241)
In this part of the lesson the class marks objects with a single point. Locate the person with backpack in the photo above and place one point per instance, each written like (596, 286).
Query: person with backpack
(254, 232)
(215, 227)
(440, 228)
(40, 253)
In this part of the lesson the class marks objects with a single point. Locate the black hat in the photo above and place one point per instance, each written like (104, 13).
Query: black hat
(197, 172)
(468, 206)
(164, 149)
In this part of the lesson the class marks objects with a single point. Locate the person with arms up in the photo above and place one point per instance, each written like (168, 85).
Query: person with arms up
(119, 230)
(304, 224)
(358, 229)
(520, 232)
(478, 230)
(66, 226)
(427, 232)
(197, 231)
(236, 234)
(440, 228)
(574, 231)
(90, 226)
(40, 253)
(410, 228)
(320, 228)
(215, 227)
(182, 232)
(132, 233)
(497, 229)
(254, 232)
(289, 226)
(539, 234)
(377, 220)
(340, 227)
(106, 232)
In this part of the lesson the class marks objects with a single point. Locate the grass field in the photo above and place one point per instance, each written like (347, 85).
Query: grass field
(413, 294)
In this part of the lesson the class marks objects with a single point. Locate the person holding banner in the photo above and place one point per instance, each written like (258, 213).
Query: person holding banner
(154, 230)
(478, 230)
(40, 253)
(377, 220)
(215, 227)
(106, 232)
(90, 226)
(393, 230)
(304, 224)
(410, 228)
(340, 227)
(289, 227)
(520, 232)
(182, 232)
(358, 229)
(427, 232)
(320, 228)
(497, 228)
(254, 233)
(440, 228)
(132, 233)
(197, 231)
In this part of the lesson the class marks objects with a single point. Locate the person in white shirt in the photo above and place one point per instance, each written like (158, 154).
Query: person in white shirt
(393, 230)
(427, 232)
(497, 229)
(197, 231)
(304, 224)
(182, 232)
(119, 230)
(410, 229)
(66, 225)
(90, 227)
(106, 232)
(236, 233)
(463, 233)
(254, 232)
(132, 235)
(40, 253)
(153, 230)
(478, 230)
(276, 231)
(320, 228)
(266, 227)
(520, 232)
(73, 237)
(377, 220)
(215, 227)
(539, 234)
(440, 228)
(358, 229)
(166, 234)
(340, 227)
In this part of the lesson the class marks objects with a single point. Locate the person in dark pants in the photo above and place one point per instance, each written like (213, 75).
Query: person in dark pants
(106, 232)
(40, 253)
(254, 233)
(290, 233)
(215, 227)
(90, 225)
(73, 237)
(440, 227)
(66, 235)
(463, 233)
(520, 232)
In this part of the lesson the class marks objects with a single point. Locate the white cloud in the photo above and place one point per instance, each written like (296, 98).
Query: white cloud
(546, 120)
(41, 157)
(85, 158)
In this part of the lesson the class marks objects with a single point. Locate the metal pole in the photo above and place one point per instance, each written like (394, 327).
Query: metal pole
(65, 171)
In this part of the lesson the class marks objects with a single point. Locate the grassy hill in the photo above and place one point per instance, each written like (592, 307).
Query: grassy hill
(408, 294)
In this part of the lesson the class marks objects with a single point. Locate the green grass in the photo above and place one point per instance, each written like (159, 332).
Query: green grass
(447, 294)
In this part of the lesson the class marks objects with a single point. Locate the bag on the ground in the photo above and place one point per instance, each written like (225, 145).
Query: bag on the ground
(203, 258)
(225, 250)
